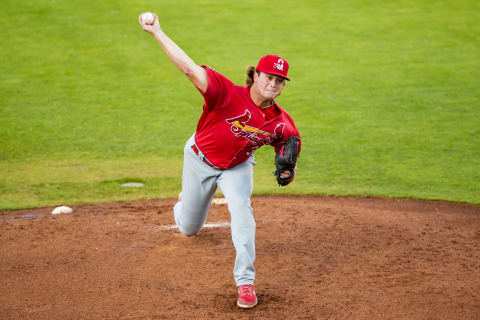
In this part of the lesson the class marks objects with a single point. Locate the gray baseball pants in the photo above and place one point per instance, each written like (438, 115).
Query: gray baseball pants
(199, 182)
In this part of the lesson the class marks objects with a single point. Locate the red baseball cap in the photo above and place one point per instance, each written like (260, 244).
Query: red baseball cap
(273, 64)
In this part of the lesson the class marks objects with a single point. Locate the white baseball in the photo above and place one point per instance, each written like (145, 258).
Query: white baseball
(148, 18)
(62, 210)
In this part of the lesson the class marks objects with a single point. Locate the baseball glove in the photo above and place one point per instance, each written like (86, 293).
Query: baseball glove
(286, 160)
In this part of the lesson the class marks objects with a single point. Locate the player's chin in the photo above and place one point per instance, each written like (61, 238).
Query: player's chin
(270, 95)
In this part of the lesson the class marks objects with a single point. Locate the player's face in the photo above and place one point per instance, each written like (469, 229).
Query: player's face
(269, 86)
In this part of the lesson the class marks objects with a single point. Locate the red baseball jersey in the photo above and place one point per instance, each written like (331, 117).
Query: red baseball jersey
(232, 127)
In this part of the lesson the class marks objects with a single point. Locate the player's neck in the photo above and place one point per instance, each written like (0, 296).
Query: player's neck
(259, 100)
(267, 105)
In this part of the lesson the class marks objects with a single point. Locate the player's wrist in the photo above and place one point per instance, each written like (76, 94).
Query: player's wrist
(158, 33)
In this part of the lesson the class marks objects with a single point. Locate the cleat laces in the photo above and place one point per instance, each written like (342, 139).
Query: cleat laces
(247, 291)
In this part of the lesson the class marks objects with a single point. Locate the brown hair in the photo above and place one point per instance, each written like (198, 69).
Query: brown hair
(250, 73)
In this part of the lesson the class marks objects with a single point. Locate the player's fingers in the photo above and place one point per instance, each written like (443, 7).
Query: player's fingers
(285, 174)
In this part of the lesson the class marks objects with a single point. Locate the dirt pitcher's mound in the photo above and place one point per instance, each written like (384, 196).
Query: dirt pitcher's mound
(317, 258)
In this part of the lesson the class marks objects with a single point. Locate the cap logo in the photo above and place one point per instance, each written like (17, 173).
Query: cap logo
(278, 65)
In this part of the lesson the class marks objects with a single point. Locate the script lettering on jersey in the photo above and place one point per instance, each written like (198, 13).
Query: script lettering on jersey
(258, 137)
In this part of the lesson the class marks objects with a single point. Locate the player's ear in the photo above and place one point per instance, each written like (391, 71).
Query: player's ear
(255, 76)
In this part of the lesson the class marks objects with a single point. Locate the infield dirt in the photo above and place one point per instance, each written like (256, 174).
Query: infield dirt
(317, 258)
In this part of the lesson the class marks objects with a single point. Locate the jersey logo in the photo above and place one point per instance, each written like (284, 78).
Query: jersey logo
(278, 64)
(239, 127)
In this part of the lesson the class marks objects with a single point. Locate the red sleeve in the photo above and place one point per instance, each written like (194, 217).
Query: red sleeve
(217, 93)
(289, 131)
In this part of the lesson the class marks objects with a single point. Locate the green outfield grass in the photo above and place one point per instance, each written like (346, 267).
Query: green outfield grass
(386, 95)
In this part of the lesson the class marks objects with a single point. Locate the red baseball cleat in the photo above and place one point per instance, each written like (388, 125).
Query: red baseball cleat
(246, 296)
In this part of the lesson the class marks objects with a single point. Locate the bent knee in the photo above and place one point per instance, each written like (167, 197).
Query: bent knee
(188, 234)
(190, 230)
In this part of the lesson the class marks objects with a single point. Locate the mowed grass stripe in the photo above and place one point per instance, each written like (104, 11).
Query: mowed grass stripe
(386, 95)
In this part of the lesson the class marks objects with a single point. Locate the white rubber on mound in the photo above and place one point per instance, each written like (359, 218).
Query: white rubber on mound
(219, 201)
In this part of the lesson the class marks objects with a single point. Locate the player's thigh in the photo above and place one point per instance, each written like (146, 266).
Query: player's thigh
(198, 186)
(237, 183)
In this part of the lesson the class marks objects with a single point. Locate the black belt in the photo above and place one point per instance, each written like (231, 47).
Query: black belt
(195, 149)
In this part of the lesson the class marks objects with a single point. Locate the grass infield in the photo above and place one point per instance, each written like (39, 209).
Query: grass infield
(385, 94)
